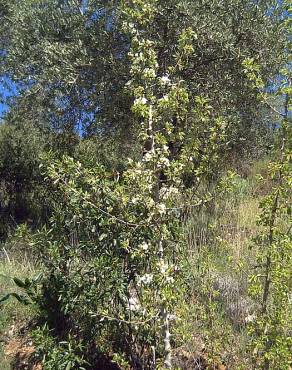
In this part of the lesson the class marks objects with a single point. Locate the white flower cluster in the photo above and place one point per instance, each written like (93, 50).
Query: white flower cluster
(139, 101)
(171, 317)
(135, 200)
(149, 73)
(130, 27)
(168, 192)
(163, 267)
(163, 162)
(161, 208)
(145, 279)
(138, 55)
(169, 279)
(165, 148)
(165, 80)
(133, 304)
(148, 156)
(165, 98)
(144, 246)
(165, 271)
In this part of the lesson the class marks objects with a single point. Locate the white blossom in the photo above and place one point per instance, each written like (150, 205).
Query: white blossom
(175, 268)
(142, 100)
(250, 318)
(164, 162)
(163, 267)
(144, 246)
(145, 279)
(165, 80)
(149, 72)
(170, 279)
(147, 157)
(165, 98)
(166, 192)
(135, 200)
(133, 304)
(161, 208)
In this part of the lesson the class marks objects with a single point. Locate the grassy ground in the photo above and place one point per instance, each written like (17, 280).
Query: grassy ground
(220, 259)
(13, 315)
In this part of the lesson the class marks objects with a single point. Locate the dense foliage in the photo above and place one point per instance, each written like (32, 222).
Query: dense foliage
(118, 152)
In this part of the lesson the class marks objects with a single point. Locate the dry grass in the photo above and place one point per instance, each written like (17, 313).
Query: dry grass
(220, 257)
(13, 315)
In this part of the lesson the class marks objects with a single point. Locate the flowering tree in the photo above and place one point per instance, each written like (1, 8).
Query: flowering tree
(112, 253)
(163, 107)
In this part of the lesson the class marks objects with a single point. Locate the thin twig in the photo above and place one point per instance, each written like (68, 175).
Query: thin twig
(106, 317)
(6, 254)
(274, 109)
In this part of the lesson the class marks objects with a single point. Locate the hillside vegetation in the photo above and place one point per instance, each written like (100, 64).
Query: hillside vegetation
(145, 188)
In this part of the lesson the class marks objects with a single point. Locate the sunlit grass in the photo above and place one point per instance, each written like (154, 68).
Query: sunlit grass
(13, 314)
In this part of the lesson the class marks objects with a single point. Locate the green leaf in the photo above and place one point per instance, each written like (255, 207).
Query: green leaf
(19, 283)
(22, 299)
(4, 298)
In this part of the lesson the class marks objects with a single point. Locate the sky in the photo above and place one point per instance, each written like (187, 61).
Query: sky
(7, 89)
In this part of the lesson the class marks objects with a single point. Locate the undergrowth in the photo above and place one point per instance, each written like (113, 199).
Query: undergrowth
(214, 310)
(13, 314)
